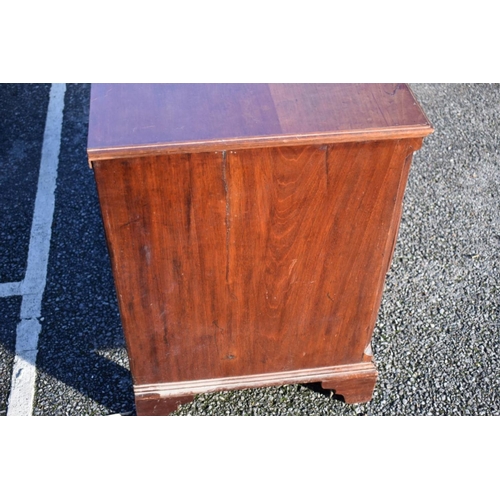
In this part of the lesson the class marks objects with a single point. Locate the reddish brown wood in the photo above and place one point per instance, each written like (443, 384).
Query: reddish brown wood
(353, 387)
(253, 265)
(157, 406)
(332, 377)
(134, 120)
(248, 251)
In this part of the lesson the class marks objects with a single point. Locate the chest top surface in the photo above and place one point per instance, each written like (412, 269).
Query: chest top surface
(134, 119)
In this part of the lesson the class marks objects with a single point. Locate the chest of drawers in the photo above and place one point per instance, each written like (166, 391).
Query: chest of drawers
(250, 228)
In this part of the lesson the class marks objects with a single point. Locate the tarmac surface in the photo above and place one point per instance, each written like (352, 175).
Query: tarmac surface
(437, 339)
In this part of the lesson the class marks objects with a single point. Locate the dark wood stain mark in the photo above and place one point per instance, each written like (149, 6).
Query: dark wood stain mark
(228, 209)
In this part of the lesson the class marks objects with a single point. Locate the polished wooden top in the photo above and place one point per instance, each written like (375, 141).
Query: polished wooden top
(136, 119)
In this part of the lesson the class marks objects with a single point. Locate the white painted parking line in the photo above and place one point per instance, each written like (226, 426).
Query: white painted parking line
(9, 289)
(32, 287)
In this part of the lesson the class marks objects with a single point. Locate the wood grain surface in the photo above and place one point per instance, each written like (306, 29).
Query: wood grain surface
(157, 406)
(355, 383)
(250, 228)
(133, 120)
(251, 261)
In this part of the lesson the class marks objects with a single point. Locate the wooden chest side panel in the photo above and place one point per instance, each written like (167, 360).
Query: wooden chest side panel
(311, 238)
(165, 221)
(251, 261)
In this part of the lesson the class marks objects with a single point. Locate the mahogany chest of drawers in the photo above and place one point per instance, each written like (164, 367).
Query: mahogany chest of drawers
(250, 228)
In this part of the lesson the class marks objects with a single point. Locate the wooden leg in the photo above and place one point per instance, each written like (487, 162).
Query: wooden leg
(355, 388)
(157, 406)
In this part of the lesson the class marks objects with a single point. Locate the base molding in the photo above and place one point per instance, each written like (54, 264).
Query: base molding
(355, 382)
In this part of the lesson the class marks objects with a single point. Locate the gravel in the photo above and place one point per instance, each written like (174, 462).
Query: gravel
(20, 149)
(10, 317)
(436, 343)
(82, 363)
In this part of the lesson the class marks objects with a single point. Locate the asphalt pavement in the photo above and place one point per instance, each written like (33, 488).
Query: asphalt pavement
(436, 343)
